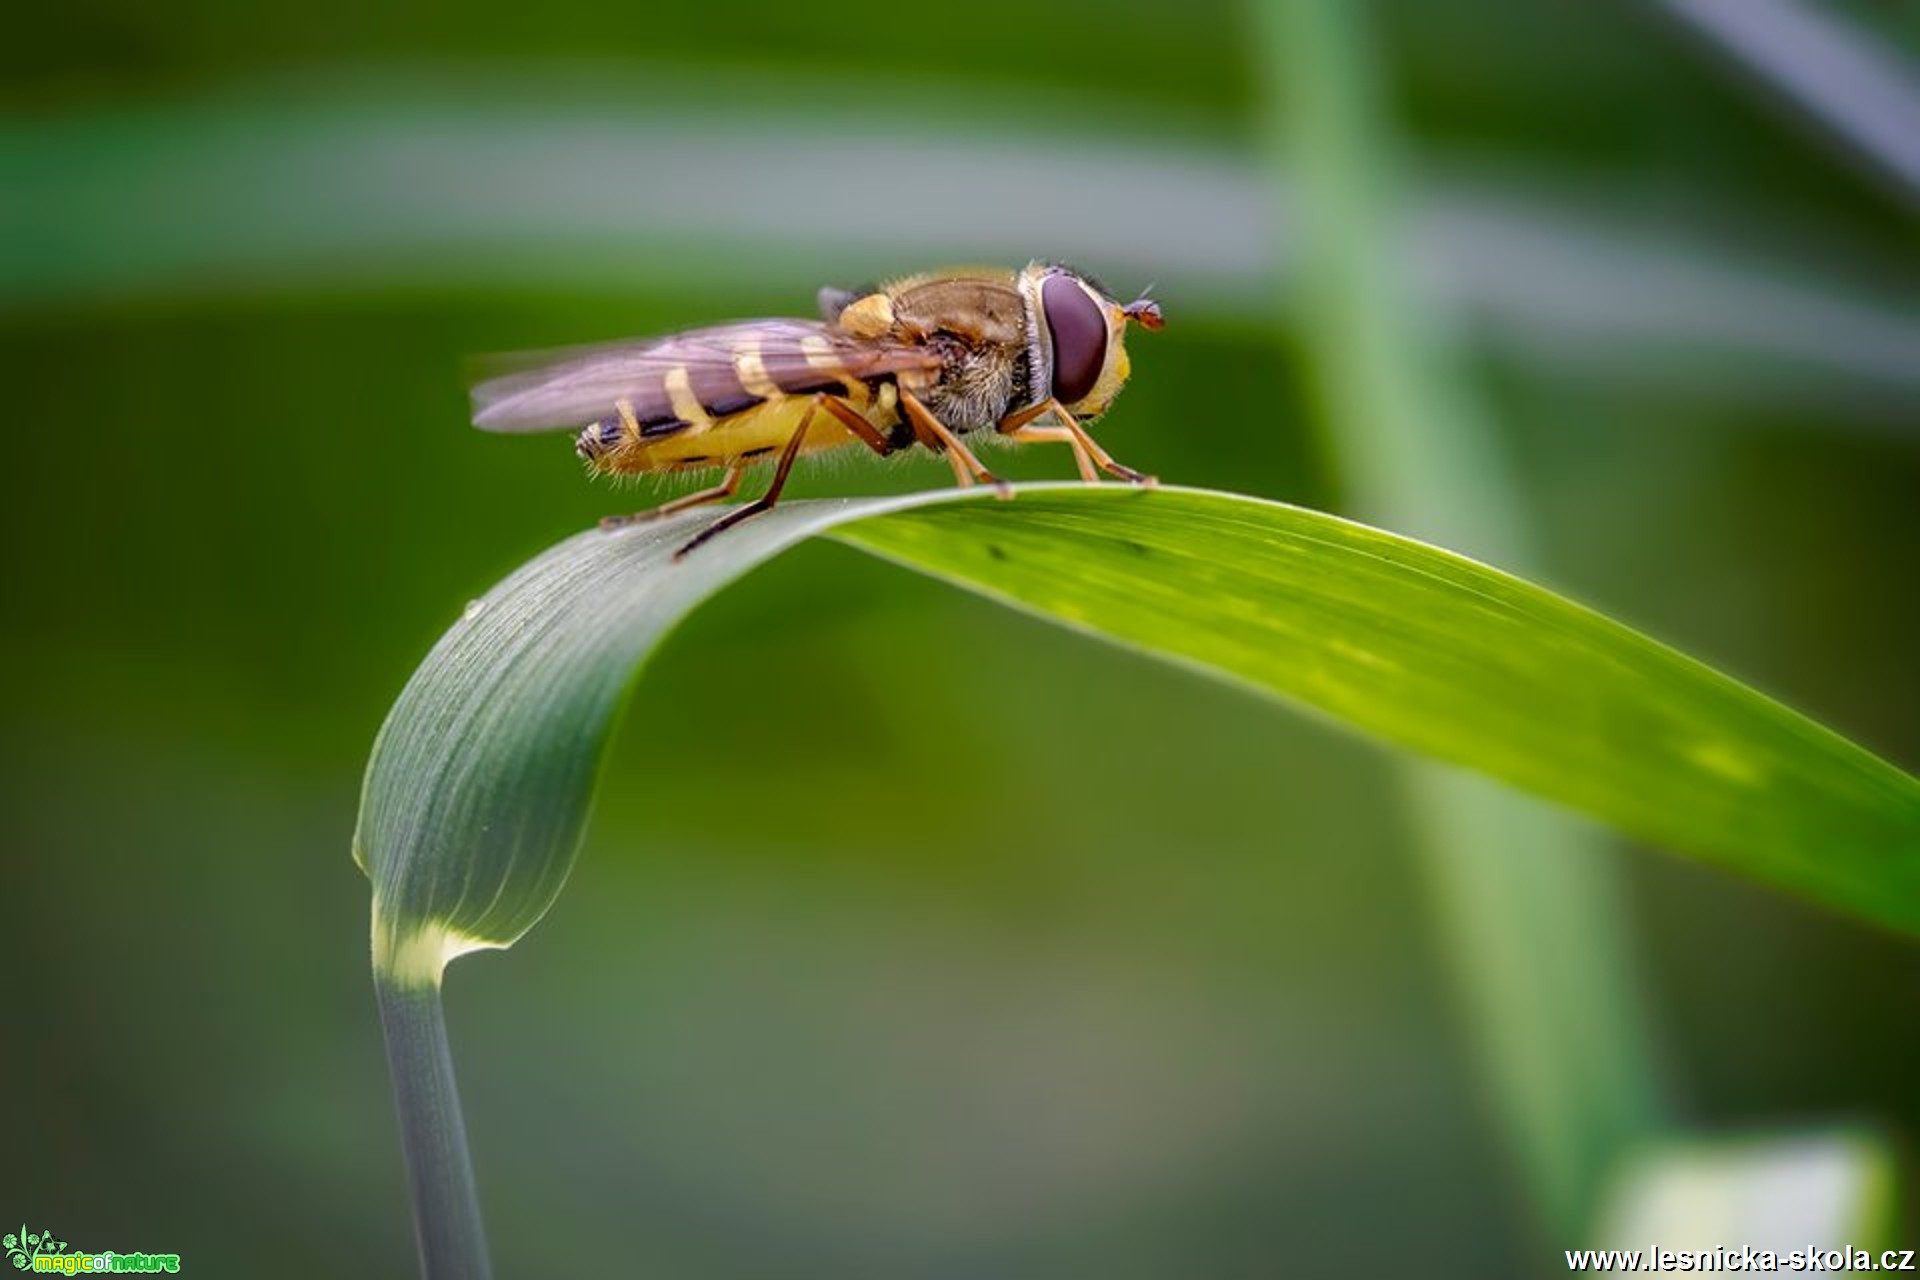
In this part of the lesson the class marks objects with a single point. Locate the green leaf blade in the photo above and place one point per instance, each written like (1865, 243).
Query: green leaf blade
(481, 781)
(1454, 660)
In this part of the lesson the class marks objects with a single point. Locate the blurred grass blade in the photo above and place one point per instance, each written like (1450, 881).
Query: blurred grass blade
(251, 188)
(1857, 86)
(1527, 900)
(480, 781)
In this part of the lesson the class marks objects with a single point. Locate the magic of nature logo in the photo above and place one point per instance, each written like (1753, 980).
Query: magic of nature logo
(39, 1251)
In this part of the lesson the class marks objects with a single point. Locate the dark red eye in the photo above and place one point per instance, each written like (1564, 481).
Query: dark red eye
(1079, 331)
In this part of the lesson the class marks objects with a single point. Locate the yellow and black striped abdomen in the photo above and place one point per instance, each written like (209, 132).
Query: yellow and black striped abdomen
(713, 397)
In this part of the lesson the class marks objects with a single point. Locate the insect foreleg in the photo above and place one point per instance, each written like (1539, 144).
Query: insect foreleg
(1071, 425)
(932, 433)
(1059, 435)
(1021, 417)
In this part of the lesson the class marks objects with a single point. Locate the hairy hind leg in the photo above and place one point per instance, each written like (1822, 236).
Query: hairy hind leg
(746, 511)
(858, 426)
(725, 489)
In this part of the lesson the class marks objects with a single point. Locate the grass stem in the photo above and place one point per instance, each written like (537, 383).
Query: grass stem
(446, 1207)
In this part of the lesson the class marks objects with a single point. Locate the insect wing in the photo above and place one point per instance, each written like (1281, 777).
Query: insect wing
(721, 370)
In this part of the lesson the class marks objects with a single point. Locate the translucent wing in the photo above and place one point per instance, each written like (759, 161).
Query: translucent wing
(723, 370)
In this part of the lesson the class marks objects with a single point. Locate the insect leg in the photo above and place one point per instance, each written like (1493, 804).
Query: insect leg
(1059, 435)
(1021, 417)
(746, 511)
(1105, 460)
(932, 433)
(725, 489)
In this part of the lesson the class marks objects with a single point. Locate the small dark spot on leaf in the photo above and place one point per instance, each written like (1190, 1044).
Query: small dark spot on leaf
(997, 551)
(1138, 549)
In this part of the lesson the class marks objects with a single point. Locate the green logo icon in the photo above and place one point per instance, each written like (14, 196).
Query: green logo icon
(23, 1248)
(39, 1251)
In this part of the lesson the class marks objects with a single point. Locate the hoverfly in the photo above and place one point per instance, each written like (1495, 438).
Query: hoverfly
(927, 360)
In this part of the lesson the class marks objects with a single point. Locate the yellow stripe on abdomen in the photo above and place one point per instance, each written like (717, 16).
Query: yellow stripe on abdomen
(686, 405)
(752, 370)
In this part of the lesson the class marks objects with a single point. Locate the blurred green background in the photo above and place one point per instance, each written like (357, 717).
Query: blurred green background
(980, 949)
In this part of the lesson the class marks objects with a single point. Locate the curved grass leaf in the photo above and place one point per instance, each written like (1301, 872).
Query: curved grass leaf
(480, 782)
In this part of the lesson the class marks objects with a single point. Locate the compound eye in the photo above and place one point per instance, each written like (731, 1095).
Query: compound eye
(1079, 330)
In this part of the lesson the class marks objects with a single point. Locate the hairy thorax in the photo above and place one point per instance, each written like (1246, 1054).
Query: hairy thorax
(978, 323)
(976, 388)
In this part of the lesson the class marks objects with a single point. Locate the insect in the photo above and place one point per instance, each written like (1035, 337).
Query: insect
(928, 360)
